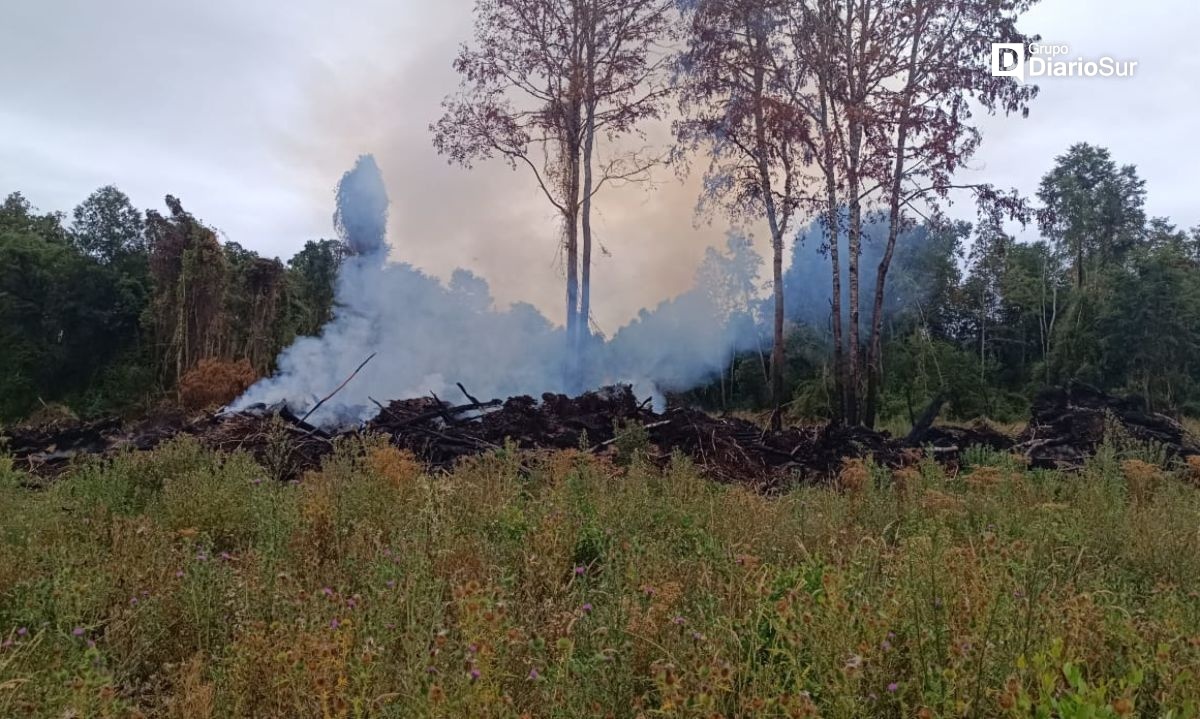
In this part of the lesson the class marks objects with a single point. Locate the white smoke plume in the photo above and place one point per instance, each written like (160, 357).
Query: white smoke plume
(430, 335)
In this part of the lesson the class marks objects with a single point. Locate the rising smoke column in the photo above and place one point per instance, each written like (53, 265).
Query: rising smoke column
(360, 219)
(428, 335)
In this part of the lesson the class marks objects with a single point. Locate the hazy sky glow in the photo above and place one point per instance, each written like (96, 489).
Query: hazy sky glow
(250, 112)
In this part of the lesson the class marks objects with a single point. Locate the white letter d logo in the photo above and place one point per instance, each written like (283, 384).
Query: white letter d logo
(1008, 60)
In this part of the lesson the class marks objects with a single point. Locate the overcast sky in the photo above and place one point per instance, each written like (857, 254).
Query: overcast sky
(250, 111)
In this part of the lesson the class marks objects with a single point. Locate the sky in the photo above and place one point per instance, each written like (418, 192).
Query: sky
(249, 111)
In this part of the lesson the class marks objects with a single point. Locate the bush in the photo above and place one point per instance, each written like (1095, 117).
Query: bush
(215, 383)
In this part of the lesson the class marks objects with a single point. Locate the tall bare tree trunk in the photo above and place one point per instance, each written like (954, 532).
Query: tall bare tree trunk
(589, 142)
(773, 221)
(832, 222)
(853, 372)
(874, 344)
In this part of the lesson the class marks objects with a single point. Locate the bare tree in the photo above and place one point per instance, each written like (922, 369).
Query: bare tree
(895, 84)
(945, 45)
(737, 102)
(543, 82)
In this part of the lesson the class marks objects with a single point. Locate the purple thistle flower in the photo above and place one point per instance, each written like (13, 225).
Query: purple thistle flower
(580, 570)
(77, 631)
(133, 601)
(697, 636)
(886, 645)
(391, 584)
(351, 603)
(533, 674)
(226, 556)
(587, 608)
(22, 632)
(893, 688)
(178, 573)
(679, 620)
(474, 673)
(327, 591)
(334, 624)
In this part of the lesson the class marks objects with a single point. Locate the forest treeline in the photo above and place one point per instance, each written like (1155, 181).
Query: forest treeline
(111, 308)
(114, 308)
(1094, 290)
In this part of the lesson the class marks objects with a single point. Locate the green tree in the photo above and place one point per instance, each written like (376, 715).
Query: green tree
(312, 275)
(108, 227)
(1093, 209)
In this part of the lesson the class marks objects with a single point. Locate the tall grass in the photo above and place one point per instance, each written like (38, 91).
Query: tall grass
(185, 584)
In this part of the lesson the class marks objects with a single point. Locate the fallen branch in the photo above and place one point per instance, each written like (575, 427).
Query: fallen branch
(339, 388)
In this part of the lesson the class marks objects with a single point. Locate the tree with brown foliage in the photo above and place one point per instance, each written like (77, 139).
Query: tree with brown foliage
(188, 269)
(542, 82)
(737, 102)
(895, 83)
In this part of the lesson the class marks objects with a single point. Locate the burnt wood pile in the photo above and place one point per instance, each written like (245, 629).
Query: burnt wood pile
(1067, 427)
(1069, 424)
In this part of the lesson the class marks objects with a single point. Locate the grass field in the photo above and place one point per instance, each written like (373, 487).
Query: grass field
(183, 584)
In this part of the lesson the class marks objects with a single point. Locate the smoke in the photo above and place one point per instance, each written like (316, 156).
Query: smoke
(923, 259)
(430, 335)
(362, 208)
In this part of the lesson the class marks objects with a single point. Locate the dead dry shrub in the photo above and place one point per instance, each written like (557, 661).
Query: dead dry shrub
(1191, 470)
(215, 383)
(1142, 478)
(854, 477)
(934, 501)
(400, 468)
(905, 481)
(194, 697)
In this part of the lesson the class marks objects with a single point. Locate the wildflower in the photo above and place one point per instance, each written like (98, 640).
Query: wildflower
(893, 688)
(226, 556)
(533, 674)
(679, 620)
(351, 602)
(256, 480)
(77, 631)
(587, 608)
(1123, 706)
(885, 645)
(133, 601)
(327, 591)
(580, 570)
(431, 670)
(697, 636)
(474, 673)
(391, 584)
(178, 573)
(334, 624)
(22, 632)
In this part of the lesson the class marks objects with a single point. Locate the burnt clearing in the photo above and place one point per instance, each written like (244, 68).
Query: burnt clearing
(1067, 426)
